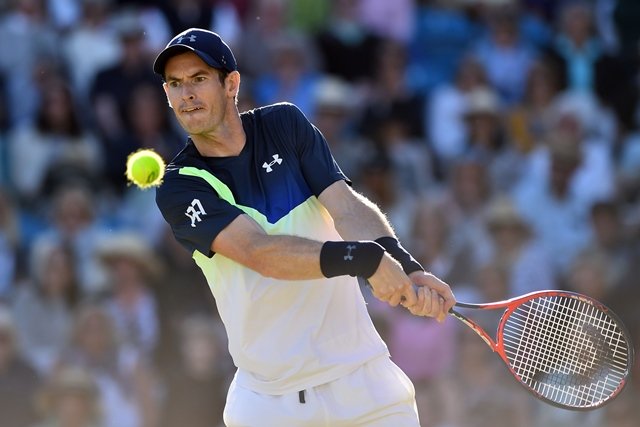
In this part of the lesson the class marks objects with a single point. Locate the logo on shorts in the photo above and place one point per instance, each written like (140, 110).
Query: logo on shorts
(268, 166)
(194, 211)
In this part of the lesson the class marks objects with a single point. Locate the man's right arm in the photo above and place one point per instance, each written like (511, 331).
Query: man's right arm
(204, 222)
(296, 258)
(278, 256)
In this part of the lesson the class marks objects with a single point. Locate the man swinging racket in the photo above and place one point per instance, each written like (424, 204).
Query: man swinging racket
(281, 237)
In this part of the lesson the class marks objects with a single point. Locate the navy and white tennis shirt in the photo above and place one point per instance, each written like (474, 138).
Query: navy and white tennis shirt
(284, 336)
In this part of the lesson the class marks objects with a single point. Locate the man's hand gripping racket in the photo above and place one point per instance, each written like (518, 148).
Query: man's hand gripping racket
(567, 349)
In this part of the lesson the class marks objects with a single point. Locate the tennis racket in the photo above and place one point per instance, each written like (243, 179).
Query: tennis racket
(567, 349)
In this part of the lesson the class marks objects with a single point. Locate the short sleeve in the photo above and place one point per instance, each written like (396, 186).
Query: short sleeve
(194, 211)
(316, 161)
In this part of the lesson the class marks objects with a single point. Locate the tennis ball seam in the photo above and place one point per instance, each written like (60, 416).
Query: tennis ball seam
(145, 168)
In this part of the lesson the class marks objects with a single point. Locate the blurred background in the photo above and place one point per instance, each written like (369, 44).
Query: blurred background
(501, 138)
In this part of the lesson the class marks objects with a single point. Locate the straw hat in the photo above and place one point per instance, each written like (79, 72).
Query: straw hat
(482, 101)
(334, 93)
(126, 245)
(502, 212)
(69, 381)
(564, 147)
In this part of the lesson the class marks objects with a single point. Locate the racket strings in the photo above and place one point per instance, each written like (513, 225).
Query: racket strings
(566, 350)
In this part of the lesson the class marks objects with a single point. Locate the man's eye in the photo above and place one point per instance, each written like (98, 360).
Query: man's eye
(173, 84)
(200, 79)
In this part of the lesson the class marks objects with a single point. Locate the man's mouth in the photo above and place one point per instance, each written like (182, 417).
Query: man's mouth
(191, 109)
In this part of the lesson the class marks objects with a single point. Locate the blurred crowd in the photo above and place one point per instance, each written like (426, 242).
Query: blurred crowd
(500, 137)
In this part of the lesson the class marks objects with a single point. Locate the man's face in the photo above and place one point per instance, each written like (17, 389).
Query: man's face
(195, 93)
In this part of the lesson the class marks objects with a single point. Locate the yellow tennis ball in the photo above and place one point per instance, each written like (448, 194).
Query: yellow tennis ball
(145, 168)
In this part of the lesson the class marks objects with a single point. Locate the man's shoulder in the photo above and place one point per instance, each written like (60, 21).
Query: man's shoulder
(187, 156)
(276, 111)
(173, 181)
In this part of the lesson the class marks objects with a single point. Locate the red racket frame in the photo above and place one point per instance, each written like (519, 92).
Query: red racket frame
(511, 305)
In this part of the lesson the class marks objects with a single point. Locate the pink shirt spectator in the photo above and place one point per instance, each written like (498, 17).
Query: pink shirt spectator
(389, 19)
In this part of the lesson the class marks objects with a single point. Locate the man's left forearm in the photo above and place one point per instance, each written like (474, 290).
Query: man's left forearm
(362, 220)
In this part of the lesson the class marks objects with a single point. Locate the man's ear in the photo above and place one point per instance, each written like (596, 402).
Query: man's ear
(166, 93)
(233, 80)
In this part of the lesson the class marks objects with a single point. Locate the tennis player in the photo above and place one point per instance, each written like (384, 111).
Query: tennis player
(281, 237)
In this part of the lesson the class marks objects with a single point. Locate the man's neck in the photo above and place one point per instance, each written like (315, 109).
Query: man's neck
(228, 142)
(218, 148)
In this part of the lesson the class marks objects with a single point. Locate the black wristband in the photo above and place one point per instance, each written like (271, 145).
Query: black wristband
(400, 254)
(359, 258)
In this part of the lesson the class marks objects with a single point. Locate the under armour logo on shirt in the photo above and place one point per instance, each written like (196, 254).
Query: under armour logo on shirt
(268, 166)
(194, 211)
(191, 38)
(348, 256)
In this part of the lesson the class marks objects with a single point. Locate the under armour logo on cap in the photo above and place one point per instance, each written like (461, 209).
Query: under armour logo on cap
(208, 45)
(191, 38)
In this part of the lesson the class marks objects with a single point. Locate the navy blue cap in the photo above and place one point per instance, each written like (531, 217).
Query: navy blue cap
(206, 44)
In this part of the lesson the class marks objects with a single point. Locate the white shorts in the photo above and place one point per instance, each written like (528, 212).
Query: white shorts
(378, 394)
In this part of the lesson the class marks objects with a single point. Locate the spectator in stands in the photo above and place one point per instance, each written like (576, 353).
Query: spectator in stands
(127, 391)
(113, 86)
(132, 269)
(442, 34)
(43, 306)
(529, 120)
(378, 181)
(505, 56)
(558, 217)
(516, 249)
(628, 166)
(576, 47)
(73, 218)
(196, 388)
(446, 105)
(389, 20)
(19, 382)
(56, 149)
(390, 96)
(336, 107)
(220, 16)
(26, 38)
(488, 140)
(611, 237)
(292, 74)
(410, 157)
(347, 47)
(464, 198)
(70, 399)
(493, 283)
(432, 245)
(11, 243)
(254, 48)
(590, 275)
(91, 46)
(183, 292)
(578, 119)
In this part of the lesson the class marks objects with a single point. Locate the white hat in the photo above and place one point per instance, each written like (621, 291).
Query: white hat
(482, 100)
(130, 246)
(333, 92)
(502, 211)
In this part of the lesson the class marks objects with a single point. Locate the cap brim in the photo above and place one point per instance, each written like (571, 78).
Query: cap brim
(173, 50)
